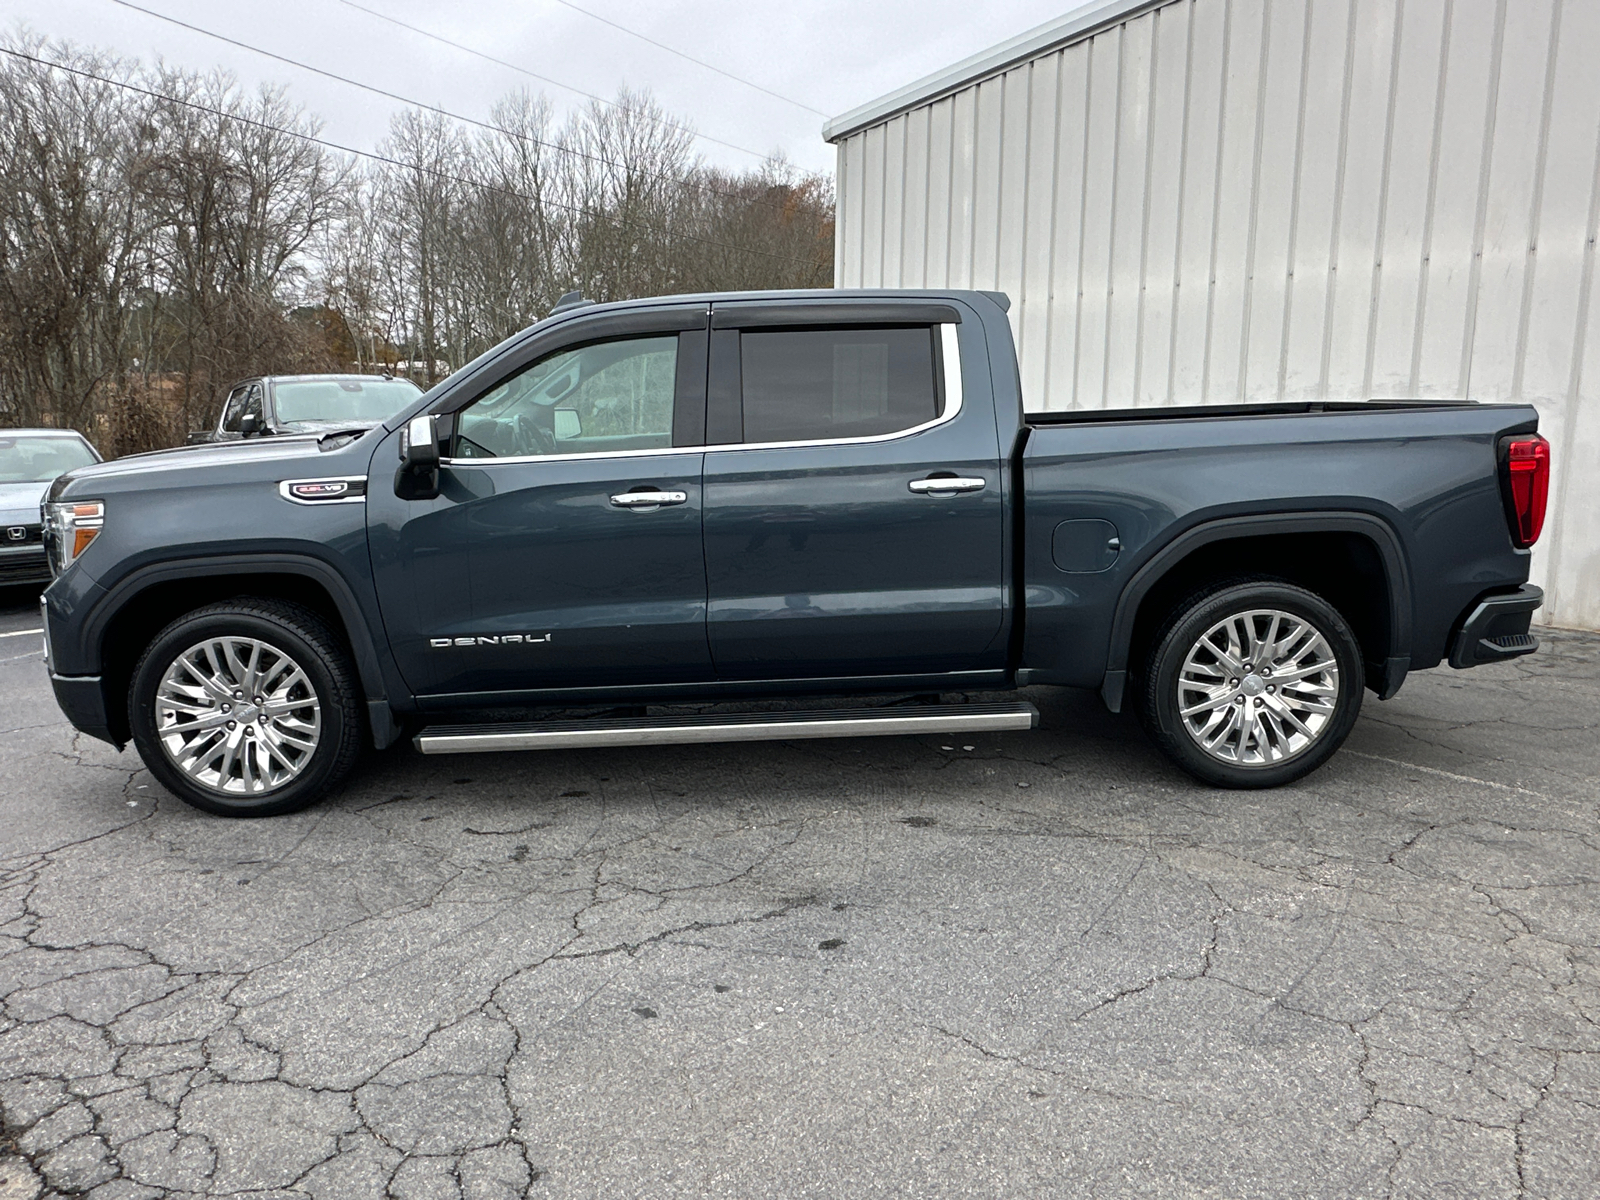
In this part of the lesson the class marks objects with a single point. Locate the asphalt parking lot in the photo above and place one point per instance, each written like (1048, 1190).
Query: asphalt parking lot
(1036, 964)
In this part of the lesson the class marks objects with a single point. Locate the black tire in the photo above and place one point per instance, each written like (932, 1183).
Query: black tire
(1158, 692)
(290, 630)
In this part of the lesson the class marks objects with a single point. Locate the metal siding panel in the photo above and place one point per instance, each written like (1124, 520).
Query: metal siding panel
(1573, 550)
(851, 212)
(894, 201)
(963, 163)
(1507, 229)
(1236, 203)
(1164, 203)
(1452, 240)
(1355, 253)
(1061, 364)
(1273, 221)
(1126, 272)
(989, 151)
(1197, 220)
(1099, 214)
(1562, 285)
(914, 205)
(1014, 171)
(941, 136)
(1033, 308)
(1403, 223)
(872, 223)
(1317, 188)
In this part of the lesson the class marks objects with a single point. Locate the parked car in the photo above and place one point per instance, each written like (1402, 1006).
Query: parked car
(30, 461)
(314, 404)
(774, 496)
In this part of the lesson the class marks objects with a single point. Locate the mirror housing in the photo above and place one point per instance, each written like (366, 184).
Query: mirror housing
(418, 476)
(249, 425)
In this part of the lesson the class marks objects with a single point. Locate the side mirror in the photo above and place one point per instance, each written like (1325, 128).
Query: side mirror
(418, 476)
(249, 425)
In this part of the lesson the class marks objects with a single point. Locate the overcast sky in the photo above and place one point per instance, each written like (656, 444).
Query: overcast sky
(829, 55)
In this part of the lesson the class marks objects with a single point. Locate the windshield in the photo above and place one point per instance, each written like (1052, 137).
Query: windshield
(41, 459)
(357, 400)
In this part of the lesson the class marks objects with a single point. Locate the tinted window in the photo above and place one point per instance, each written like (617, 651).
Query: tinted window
(595, 399)
(356, 400)
(809, 384)
(234, 410)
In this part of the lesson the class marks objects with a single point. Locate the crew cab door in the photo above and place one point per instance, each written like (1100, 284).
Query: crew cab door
(564, 550)
(854, 508)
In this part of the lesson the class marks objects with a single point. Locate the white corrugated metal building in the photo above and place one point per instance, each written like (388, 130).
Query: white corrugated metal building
(1213, 200)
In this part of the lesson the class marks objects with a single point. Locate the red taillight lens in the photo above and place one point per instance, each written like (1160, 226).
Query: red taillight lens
(1528, 474)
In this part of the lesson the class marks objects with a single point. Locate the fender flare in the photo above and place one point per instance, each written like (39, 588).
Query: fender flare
(1391, 552)
(369, 667)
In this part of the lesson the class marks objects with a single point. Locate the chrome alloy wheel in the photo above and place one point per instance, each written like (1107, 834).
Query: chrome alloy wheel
(238, 715)
(1258, 688)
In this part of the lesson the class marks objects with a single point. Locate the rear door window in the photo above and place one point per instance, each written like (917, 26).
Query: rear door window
(805, 385)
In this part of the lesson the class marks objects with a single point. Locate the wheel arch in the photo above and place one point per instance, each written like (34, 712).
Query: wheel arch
(144, 601)
(1212, 549)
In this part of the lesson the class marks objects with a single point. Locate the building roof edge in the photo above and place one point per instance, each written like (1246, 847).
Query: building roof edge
(1083, 22)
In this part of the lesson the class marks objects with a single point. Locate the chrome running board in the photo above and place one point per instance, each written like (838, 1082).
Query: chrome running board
(727, 727)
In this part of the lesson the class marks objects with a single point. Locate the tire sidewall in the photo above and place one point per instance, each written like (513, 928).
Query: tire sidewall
(1167, 662)
(186, 632)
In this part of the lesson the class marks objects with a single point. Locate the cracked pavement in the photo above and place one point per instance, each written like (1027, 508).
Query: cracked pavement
(1019, 964)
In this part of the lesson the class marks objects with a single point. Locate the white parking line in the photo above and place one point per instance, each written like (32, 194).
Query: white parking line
(20, 632)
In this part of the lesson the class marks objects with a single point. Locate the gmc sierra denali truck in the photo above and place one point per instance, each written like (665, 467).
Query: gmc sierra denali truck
(626, 523)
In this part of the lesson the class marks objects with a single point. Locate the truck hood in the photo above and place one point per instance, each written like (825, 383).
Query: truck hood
(277, 458)
(19, 502)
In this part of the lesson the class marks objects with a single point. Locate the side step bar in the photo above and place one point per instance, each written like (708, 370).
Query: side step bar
(726, 727)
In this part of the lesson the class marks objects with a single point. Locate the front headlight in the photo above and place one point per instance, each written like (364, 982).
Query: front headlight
(69, 527)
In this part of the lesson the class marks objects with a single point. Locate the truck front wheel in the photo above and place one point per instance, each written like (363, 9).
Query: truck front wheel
(1252, 683)
(249, 708)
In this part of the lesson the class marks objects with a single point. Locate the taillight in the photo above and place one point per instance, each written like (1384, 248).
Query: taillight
(1526, 466)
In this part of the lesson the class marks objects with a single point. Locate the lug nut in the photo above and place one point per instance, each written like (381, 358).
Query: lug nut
(233, 724)
(1272, 687)
(1266, 670)
(227, 708)
(237, 694)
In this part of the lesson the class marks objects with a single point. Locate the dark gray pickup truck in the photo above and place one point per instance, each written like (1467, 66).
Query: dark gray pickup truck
(625, 523)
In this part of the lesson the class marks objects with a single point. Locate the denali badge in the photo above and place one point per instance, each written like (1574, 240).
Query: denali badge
(502, 639)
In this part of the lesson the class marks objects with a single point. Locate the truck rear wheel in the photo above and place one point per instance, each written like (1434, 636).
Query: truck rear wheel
(249, 708)
(1252, 683)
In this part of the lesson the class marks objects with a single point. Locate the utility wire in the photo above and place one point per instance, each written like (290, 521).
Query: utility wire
(511, 66)
(369, 155)
(555, 147)
(699, 62)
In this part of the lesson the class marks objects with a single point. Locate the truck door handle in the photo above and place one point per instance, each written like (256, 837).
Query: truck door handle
(946, 483)
(648, 499)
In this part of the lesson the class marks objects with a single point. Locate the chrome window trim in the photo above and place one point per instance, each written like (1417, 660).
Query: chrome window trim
(951, 352)
(536, 458)
(284, 486)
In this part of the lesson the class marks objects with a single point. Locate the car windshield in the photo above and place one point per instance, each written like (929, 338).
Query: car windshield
(357, 400)
(41, 459)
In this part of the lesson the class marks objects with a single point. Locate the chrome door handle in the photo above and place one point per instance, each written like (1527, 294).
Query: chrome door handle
(955, 483)
(648, 499)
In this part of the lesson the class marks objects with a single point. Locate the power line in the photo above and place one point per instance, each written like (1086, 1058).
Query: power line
(699, 62)
(369, 155)
(511, 66)
(555, 147)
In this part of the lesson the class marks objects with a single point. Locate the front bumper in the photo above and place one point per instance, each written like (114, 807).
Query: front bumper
(1495, 628)
(83, 699)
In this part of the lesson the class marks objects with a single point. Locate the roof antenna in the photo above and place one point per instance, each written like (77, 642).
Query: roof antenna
(570, 300)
